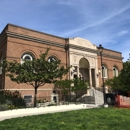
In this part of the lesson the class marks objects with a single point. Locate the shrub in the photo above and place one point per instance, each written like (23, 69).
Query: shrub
(3, 107)
(11, 107)
(12, 98)
(42, 101)
(18, 102)
(2, 99)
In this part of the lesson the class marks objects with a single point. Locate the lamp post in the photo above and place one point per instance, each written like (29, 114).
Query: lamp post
(100, 48)
(129, 58)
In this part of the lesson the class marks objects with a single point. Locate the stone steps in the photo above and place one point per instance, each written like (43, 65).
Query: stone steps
(95, 97)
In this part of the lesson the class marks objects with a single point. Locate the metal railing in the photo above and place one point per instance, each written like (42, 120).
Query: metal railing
(46, 101)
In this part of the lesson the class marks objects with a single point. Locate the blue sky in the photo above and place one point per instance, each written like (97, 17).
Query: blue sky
(105, 22)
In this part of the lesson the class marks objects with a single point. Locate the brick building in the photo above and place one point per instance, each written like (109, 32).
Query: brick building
(17, 43)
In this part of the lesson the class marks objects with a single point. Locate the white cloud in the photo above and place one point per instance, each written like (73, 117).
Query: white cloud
(100, 21)
(96, 21)
(121, 33)
(65, 2)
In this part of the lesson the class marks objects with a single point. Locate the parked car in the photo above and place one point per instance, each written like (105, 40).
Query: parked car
(110, 98)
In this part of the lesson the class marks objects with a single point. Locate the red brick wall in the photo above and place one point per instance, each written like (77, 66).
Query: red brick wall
(15, 40)
(35, 34)
(16, 46)
(110, 63)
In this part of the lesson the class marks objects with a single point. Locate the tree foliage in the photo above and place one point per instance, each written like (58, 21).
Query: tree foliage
(122, 82)
(74, 85)
(64, 85)
(125, 76)
(37, 72)
(114, 83)
(80, 84)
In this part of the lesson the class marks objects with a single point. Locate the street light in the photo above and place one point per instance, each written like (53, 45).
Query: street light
(129, 58)
(100, 48)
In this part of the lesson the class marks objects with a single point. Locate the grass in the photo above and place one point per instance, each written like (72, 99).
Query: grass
(89, 119)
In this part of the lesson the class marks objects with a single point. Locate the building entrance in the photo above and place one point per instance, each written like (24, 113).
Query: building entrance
(84, 69)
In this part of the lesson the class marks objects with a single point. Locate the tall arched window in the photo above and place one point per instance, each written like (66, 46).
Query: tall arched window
(26, 57)
(1, 61)
(84, 69)
(115, 71)
(104, 71)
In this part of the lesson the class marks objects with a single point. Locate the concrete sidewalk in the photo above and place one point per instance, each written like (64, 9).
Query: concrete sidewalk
(43, 110)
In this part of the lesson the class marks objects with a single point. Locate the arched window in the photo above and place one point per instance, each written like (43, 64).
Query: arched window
(1, 61)
(104, 71)
(84, 69)
(52, 58)
(26, 57)
(115, 71)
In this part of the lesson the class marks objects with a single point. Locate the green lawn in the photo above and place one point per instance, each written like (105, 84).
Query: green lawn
(89, 119)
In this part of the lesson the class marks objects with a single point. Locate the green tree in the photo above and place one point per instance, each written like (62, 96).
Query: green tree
(80, 85)
(64, 85)
(37, 72)
(68, 86)
(122, 82)
(114, 83)
(125, 76)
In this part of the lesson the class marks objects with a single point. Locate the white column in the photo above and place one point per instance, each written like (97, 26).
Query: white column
(90, 77)
(78, 71)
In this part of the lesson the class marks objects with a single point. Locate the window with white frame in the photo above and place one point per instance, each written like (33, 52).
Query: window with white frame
(1, 61)
(115, 71)
(52, 58)
(26, 57)
(104, 71)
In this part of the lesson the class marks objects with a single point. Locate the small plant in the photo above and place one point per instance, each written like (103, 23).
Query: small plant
(45, 100)
(42, 101)
(3, 107)
(11, 107)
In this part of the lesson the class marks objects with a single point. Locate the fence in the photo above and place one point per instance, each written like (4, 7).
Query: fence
(8, 103)
(122, 101)
(15, 103)
(56, 100)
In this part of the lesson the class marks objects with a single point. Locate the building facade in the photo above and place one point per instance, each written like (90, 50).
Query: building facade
(18, 43)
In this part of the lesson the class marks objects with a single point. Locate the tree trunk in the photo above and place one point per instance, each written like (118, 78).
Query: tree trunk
(35, 97)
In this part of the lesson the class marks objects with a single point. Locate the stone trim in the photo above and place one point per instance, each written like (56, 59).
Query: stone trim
(2, 37)
(30, 89)
(111, 56)
(83, 54)
(93, 51)
(112, 50)
(71, 46)
(28, 29)
(29, 38)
